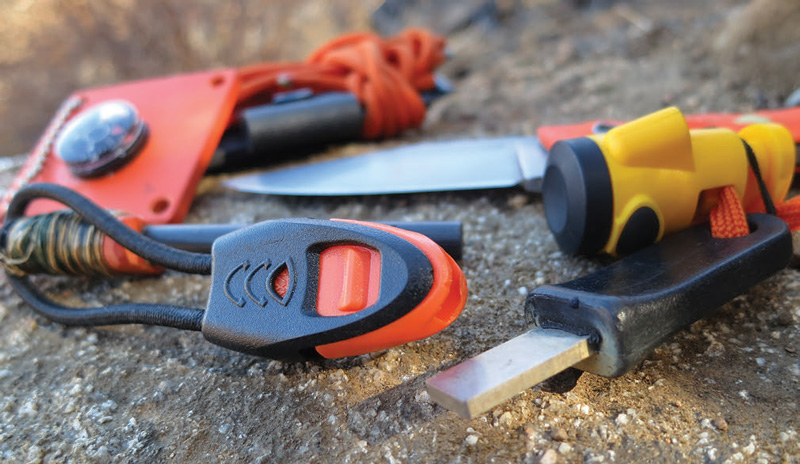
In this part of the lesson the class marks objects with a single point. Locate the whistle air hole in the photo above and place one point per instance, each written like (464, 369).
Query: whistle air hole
(281, 283)
(577, 195)
(349, 279)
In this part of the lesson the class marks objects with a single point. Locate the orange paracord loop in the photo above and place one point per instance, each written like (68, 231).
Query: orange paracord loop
(789, 211)
(385, 74)
(727, 218)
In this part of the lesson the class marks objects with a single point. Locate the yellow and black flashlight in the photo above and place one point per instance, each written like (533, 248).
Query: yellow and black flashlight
(617, 192)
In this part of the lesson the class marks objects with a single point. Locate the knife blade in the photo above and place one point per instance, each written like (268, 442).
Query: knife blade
(426, 167)
(462, 164)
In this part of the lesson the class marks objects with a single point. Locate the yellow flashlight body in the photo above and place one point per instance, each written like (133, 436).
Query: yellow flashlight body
(617, 192)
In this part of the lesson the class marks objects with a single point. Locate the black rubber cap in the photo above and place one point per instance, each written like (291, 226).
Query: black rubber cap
(577, 194)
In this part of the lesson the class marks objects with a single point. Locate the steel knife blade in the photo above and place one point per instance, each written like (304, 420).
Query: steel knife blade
(463, 164)
(425, 167)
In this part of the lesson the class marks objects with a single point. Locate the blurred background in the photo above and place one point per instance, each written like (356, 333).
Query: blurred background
(53, 47)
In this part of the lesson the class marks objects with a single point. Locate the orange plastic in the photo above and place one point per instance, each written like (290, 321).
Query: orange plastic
(438, 309)
(186, 116)
(349, 279)
(788, 117)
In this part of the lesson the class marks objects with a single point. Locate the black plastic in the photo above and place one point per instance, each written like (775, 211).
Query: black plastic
(244, 316)
(289, 129)
(640, 230)
(577, 194)
(630, 307)
(200, 237)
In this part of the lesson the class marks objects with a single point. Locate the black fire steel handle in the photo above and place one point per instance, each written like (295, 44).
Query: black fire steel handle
(630, 307)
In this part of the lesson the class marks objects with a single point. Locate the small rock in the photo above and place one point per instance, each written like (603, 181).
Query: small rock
(564, 448)
(790, 349)
(735, 457)
(784, 318)
(558, 434)
(35, 454)
(593, 458)
(102, 453)
(471, 440)
(518, 201)
(549, 457)
(565, 53)
(29, 409)
(715, 348)
(505, 419)
(530, 431)
(622, 420)
(720, 424)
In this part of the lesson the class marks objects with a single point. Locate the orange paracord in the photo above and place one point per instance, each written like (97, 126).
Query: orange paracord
(385, 74)
(789, 211)
(728, 217)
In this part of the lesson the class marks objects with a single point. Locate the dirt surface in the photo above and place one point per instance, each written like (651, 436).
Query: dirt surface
(726, 390)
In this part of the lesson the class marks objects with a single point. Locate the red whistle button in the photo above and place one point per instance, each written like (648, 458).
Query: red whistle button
(349, 279)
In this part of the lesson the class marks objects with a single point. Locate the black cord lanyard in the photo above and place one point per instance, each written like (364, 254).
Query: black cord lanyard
(151, 250)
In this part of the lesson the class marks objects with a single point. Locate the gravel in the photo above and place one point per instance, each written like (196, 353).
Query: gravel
(726, 390)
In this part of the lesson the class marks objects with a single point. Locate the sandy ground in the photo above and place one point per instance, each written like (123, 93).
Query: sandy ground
(724, 391)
